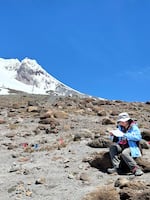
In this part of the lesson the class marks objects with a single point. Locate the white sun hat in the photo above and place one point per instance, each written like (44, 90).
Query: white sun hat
(123, 117)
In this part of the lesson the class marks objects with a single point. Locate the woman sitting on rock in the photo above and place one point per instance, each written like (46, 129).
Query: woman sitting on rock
(126, 146)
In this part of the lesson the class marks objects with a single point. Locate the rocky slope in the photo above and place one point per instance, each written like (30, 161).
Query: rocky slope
(54, 149)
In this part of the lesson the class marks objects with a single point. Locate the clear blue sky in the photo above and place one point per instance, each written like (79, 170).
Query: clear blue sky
(98, 47)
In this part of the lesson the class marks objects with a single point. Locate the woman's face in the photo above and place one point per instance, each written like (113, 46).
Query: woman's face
(124, 124)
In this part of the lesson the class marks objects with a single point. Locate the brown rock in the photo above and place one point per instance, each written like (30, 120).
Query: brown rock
(60, 114)
(101, 161)
(107, 121)
(146, 134)
(33, 109)
(2, 121)
(48, 114)
(103, 193)
(102, 113)
(100, 143)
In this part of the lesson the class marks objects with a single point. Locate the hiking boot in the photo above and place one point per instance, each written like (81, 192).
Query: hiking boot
(113, 170)
(137, 171)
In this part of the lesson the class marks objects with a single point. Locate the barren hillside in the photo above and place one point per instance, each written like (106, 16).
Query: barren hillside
(51, 147)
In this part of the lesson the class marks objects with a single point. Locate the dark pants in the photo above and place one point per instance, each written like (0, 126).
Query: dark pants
(116, 150)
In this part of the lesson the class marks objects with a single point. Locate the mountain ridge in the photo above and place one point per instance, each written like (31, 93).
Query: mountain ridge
(29, 77)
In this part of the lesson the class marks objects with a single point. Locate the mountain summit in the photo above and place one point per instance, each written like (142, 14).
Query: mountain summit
(29, 77)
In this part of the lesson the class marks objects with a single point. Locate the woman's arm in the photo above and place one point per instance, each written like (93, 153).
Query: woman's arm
(133, 134)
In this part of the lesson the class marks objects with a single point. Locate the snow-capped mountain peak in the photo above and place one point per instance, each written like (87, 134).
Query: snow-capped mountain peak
(9, 64)
(28, 76)
(32, 63)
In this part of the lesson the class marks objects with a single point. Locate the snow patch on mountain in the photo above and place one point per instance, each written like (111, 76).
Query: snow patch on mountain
(28, 76)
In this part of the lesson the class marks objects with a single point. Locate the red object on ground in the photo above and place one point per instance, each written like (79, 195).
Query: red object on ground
(61, 141)
(25, 144)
